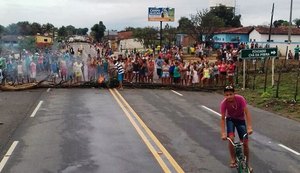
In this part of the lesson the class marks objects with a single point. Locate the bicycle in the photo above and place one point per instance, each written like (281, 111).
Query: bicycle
(241, 160)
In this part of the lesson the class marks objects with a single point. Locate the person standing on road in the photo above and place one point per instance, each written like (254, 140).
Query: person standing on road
(235, 114)
(120, 69)
(297, 49)
(159, 63)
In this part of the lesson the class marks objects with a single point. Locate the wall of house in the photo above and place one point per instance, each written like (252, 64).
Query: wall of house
(130, 44)
(231, 37)
(41, 39)
(276, 41)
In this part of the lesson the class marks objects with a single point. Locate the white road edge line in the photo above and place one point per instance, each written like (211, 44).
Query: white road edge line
(211, 110)
(287, 148)
(48, 90)
(177, 93)
(8, 154)
(36, 109)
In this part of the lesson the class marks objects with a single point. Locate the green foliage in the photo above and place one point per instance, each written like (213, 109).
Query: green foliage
(98, 31)
(278, 23)
(227, 16)
(36, 28)
(185, 25)
(266, 95)
(297, 22)
(28, 43)
(2, 29)
(169, 34)
(71, 30)
(206, 23)
(62, 32)
(147, 36)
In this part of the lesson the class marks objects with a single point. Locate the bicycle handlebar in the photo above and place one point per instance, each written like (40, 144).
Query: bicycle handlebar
(246, 134)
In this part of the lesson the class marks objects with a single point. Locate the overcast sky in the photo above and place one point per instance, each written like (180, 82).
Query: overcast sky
(118, 14)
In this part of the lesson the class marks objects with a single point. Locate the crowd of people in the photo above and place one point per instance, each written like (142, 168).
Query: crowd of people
(166, 67)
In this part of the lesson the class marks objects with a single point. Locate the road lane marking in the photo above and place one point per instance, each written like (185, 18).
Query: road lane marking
(48, 90)
(152, 136)
(177, 93)
(36, 109)
(291, 150)
(8, 154)
(143, 136)
(211, 110)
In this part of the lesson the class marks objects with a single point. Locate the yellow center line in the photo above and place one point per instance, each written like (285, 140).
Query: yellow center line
(143, 136)
(152, 136)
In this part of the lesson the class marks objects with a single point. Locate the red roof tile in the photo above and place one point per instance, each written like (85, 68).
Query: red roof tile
(125, 35)
(278, 31)
(240, 30)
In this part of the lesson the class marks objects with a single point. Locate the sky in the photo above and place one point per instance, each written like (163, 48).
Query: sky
(119, 14)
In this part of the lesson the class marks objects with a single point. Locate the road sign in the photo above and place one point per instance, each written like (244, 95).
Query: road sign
(259, 53)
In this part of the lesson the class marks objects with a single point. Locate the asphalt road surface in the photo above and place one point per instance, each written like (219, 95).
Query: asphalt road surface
(151, 131)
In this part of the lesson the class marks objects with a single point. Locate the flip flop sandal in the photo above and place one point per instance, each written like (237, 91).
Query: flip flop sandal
(233, 165)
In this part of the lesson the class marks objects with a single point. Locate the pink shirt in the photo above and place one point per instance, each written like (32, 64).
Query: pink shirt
(235, 111)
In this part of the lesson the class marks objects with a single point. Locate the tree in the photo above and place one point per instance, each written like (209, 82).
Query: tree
(147, 36)
(82, 31)
(62, 32)
(71, 30)
(297, 22)
(98, 31)
(205, 23)
(185, 25)
(129, 28)
(169, 34)
(28, 43)
(11, 29)
(24, 28)
(278, 23)
(48, 28)
(36, 28)
(2, 29)
(227, 15)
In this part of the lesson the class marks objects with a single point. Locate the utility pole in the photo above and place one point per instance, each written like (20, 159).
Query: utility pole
(160, 35)
(290, 23)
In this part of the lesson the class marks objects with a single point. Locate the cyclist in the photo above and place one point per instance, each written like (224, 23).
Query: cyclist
(235, 113)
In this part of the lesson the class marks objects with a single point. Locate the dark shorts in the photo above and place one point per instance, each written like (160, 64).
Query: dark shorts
(176, 80)
(239, 125)
(159, 72)
(223, 73)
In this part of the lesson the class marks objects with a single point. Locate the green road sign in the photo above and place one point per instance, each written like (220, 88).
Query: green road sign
(259, 53)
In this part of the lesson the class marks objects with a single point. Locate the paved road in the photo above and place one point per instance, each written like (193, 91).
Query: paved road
(191, 131)
(79, 131)
(88, 130)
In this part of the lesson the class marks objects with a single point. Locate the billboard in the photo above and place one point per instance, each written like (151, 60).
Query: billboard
(161, 14)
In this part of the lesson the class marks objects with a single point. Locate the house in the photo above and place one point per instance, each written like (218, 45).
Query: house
(127, 42)
(280, 34)
(232, 35)
(43, 41)
(10, 40)
(279, 38)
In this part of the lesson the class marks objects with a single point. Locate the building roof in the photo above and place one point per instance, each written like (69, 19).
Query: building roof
(123, 35)
(278, 31)
(10, 38)
(239, 30)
